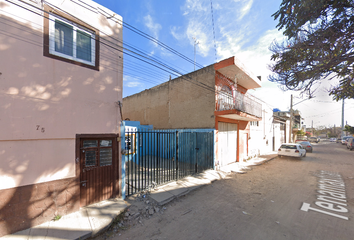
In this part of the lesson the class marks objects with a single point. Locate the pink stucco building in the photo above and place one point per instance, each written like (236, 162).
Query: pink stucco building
(60, 93)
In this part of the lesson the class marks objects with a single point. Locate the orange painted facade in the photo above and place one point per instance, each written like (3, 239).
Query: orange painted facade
(230, 86)
(243, 127)
(224, 63)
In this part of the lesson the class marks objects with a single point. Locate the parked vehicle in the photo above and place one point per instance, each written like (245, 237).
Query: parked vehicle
(350, 143)
(339, 140)
(314, 139)
(332, 139)
(306, 145)
(291, 150)
(344, 140)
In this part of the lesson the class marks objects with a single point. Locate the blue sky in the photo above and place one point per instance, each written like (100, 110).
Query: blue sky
(243, 28)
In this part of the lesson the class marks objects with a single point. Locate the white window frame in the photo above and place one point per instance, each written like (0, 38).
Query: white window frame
(76, 27)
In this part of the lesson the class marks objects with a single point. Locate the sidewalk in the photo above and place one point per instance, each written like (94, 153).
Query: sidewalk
(78, 225)
(95, 218)
(242, 167)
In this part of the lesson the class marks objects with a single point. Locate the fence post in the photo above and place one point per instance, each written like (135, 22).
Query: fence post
(196, 154)
(122, 154)
(157, 168)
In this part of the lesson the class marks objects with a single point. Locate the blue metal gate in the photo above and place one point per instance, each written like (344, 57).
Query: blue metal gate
(154, 157)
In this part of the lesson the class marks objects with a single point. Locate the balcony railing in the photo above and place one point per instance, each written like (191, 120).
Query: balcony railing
(240, 102)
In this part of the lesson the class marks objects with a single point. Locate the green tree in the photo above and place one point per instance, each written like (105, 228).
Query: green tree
(319, 44)
(349, 129)
(300, 133)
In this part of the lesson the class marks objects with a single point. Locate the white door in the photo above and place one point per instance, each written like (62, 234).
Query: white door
(227, 143)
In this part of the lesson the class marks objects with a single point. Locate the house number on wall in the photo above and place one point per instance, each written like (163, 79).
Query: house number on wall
(40, 128)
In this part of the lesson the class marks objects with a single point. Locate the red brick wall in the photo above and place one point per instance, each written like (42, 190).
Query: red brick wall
(27, 206)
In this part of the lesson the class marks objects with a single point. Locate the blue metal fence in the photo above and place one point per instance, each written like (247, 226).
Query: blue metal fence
(154, 157)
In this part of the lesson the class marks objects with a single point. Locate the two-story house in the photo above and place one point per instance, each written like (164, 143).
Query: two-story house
(60, 92)
(214, 97)
(296, 123)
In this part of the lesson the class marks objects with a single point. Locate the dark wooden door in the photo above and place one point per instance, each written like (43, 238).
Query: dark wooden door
(97, 164)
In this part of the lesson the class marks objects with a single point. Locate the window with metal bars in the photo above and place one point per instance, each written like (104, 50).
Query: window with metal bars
(98, 153)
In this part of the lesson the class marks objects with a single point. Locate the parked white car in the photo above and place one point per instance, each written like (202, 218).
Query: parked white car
(291, 150)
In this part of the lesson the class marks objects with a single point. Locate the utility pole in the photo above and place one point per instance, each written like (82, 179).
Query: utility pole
(195, 43)
(342, 134)
(312, 128)
(291, 119)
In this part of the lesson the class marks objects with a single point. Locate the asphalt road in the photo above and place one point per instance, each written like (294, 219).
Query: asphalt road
(286, 198)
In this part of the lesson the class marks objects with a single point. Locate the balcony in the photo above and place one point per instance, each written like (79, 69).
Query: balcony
(296, 127)
(240, 102)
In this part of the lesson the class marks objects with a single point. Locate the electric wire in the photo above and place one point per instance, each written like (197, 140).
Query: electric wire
(139, 56)
(145, 35)
(178, 73)
(106, 66)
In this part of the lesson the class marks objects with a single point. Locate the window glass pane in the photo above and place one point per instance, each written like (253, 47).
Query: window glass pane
(106, 143)
(83, 45)
(63, 38)
(90, 158)
(90, 143)
(105, 156)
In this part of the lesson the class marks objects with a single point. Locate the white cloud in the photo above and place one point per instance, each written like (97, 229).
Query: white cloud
(176, 33)
(153, 27)
(195, 33)
(231, 32)
(256, 57)
(245, 10)
(196, 6)
(132, 82)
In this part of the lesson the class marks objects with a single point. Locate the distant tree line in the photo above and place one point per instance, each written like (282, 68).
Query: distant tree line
(331, 132)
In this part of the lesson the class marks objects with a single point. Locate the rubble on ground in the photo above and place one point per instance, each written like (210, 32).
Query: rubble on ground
(141, 207)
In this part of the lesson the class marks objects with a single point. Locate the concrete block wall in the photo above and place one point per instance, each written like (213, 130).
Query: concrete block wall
(178, 103)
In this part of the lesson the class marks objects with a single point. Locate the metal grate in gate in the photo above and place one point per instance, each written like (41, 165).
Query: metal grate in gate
(155, 157)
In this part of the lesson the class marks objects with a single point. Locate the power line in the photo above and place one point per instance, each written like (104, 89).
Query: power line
(136, 50)
(159, 43)
(147, 36)
(137, 54)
